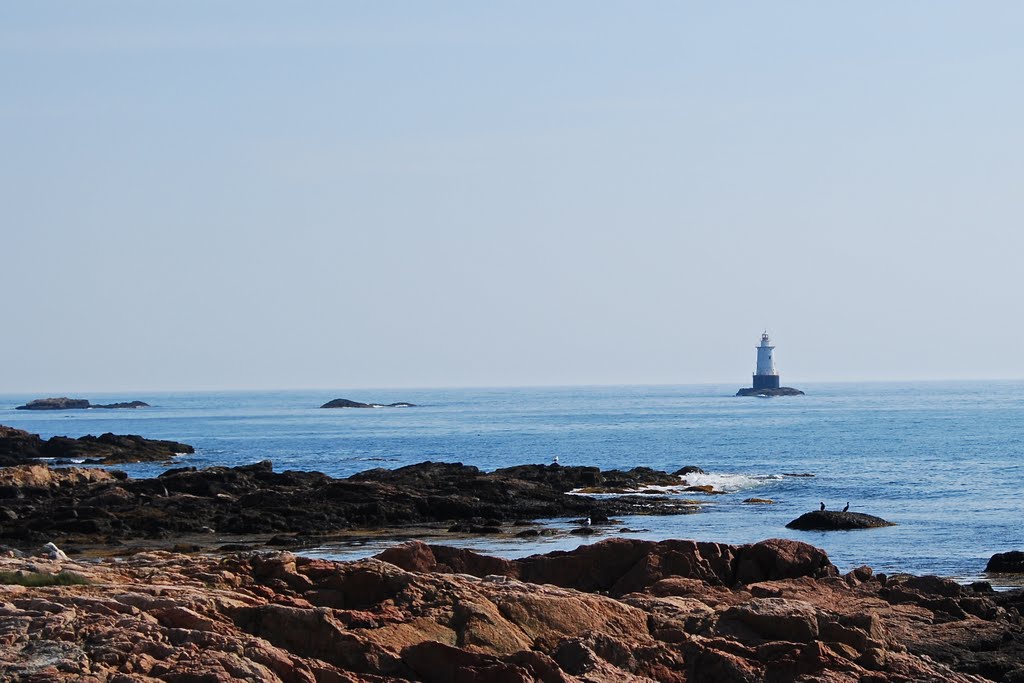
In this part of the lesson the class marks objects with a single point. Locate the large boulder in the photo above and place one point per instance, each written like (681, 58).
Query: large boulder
(1011, 562)
(829, 520)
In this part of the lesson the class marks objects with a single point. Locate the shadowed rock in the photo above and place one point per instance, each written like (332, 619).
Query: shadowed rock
(253, 499)
(1006, 563)
(828, 520)
(18, 447)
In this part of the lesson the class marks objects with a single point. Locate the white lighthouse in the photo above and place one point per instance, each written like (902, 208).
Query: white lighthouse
(765, 375)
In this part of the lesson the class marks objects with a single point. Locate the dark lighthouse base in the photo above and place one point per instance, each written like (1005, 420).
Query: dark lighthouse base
(769, 391)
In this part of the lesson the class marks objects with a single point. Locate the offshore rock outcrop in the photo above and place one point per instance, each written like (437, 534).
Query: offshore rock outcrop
(18, 447)
(830, 520)
(278, 617)
(65, 403)
(347, 403)
(253, 499)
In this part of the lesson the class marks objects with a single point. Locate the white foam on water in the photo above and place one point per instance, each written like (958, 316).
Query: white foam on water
(730, 482)
(719, 481)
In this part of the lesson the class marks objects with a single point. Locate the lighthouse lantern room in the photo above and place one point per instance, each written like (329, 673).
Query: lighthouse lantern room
(765, 375)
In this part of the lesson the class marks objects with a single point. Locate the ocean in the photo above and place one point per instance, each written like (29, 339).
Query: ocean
(943, 460)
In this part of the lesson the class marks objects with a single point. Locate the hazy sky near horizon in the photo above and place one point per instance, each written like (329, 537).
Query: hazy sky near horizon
(201, 195)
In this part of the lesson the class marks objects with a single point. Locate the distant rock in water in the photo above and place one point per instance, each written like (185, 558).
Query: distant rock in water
(1006, 563)
(65, 403)
(767, 393)
(346, 403)
(129, 404)
(828, 520)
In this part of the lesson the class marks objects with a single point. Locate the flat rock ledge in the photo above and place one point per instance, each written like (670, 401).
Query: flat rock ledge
(65, 403)
(347, 403)
(675, 611)
(768, 393)
(829, 520)
(39, 504)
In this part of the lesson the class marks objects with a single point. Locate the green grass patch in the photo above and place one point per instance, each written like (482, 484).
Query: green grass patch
(36, 580)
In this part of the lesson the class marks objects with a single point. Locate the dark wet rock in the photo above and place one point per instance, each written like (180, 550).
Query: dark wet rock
(759, 501)
(828, 520)
(65, 403)
(18, 447)
(254, 499)
(1011, 562)
(779, 391)
(689, 469)
(346, 403)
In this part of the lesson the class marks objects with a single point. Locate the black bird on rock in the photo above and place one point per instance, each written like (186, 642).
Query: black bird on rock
(847, 508)
(823, 505)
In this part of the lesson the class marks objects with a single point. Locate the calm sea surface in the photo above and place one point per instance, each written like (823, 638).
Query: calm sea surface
(945, 461)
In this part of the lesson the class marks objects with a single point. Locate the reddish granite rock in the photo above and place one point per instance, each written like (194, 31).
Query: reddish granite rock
(279, 617)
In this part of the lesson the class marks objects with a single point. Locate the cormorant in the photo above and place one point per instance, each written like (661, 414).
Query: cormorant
(823, 506)
(847, 508)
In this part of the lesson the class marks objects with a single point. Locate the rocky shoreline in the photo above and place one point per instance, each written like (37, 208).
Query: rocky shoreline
(91, 507)
(615, 610)
(618, 610)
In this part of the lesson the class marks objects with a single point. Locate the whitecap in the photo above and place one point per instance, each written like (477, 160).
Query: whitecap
(730, 482)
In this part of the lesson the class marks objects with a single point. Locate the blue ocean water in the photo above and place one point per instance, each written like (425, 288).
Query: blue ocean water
(941, 459)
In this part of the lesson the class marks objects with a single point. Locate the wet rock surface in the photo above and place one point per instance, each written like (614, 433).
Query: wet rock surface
(18, 447)
(254, 499)
(673, 611)
(829, 520)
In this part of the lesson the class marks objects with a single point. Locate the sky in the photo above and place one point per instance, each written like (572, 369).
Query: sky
(243, 195)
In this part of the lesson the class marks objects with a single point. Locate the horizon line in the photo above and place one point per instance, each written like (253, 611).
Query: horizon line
(69, 394)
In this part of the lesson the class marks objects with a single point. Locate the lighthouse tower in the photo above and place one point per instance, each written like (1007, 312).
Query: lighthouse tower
(765, 376)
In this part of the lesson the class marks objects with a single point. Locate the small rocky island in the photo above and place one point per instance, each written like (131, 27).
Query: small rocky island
(831, 520)
(65, 403)
(347, 403)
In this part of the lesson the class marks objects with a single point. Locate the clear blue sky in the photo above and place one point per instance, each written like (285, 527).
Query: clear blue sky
(249, 194)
